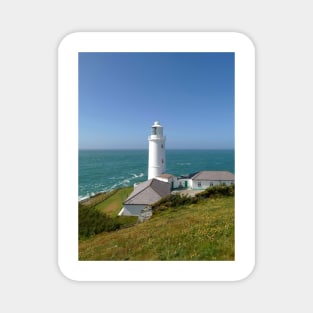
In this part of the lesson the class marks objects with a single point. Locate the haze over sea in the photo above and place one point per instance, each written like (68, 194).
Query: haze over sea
(104, 170)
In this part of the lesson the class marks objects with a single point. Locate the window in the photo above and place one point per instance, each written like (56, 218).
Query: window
(153, 132)
(162, 161)
(162, 146)
(211, 184)
(199, 184)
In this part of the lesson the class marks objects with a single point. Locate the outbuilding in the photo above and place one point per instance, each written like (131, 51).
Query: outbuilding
(145, 194)
(205, 179)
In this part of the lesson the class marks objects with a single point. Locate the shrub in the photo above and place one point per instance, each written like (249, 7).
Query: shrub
(217, 191)
(92, 222)
(173, 201)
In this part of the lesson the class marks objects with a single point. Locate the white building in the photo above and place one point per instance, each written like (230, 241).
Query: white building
(156, 164)
(175, 182)
(205, 179)
(145, 194)
(200, 180)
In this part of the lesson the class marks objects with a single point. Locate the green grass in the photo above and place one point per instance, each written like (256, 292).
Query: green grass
(113, 204)
(99, 213)
(200, 231)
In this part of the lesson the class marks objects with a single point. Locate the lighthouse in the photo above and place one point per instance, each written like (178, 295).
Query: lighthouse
(156, 165)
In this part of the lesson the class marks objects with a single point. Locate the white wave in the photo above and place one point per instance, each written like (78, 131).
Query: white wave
(80, 198)
(115, 178)
(114, 186)
(120, 181)
(137, 176)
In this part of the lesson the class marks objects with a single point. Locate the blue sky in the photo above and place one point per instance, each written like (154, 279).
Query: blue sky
(122, 94)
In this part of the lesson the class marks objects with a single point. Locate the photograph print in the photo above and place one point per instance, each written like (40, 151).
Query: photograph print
(156, 156)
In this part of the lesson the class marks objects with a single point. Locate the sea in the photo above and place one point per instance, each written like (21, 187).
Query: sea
(104, 170)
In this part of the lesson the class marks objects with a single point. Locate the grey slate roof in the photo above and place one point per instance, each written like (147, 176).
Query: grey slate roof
(149, 192)
(214, 175)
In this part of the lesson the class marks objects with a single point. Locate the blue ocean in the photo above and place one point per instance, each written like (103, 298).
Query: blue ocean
(104, 170)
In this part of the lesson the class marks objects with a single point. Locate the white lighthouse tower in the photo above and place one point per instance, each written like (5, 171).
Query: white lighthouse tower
(156, 165)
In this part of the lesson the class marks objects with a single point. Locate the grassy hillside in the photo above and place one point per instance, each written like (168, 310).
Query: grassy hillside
(201, 231)
(113, 204)
(99, 213)
(108, 202)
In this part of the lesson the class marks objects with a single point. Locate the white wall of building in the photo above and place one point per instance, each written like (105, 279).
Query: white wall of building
(166, 180)
(193, 184)
(203, 184)
(182, 183)
(133, 209)
(169, 180)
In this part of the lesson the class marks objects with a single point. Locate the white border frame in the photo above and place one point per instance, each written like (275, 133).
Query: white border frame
(244, 51)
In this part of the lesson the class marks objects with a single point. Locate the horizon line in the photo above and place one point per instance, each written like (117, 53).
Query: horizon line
(148, 149)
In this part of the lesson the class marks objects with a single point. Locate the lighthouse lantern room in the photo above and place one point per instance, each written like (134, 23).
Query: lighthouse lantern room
(156, 165)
